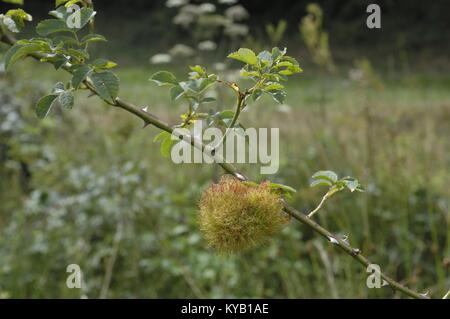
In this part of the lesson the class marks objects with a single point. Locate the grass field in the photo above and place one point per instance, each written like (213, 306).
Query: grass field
(100, 194)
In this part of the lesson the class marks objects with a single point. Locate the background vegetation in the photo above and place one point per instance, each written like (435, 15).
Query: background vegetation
(90, 186)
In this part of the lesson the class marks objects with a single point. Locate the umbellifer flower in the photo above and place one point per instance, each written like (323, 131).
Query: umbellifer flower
(235, 216)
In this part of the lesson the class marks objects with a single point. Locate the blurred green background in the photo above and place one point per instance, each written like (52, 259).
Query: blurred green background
(89, 186)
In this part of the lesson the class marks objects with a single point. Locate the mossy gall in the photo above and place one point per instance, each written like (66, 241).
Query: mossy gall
(235, 216)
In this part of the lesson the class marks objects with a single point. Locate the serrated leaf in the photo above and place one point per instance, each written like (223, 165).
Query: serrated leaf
(15, 19)
(208, 100)
(277, 96)
(162, 78)
(176, 92)
(197, 85)
(227, 114)
(59, 63)
(44, 105)
(106, 85)
(277, 53)
(66, 99)
(104, 64)
(198, 69)
(327, 175)
(166, 146)
(20, 2)
(274, 87)
(246, 73)
(72, 2)
(17, 52)
(59, 88)
(320, 182)
(79, 75)
(256, 94)
(284, 188)
(352, 184)
(78, 54)
(51, 26)
(93, 38)
(161, 136)
(166, 141)
(86, 15)
(244, 55)
(60, 2)
(266, 58)
(60, 13)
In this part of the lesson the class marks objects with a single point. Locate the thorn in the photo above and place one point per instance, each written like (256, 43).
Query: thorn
(145, 125)
(385, 283)
(239, 176)
(145, 109)
(356, 251)
(426, 294)
(333, 240)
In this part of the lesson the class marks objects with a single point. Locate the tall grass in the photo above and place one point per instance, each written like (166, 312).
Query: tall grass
(103, 199)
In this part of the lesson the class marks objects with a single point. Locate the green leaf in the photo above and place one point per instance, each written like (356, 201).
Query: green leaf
(266, 58)
(327, 175)
(352, 185)
(284, 188)
(78, 54)
(66, 99)
(246, 73)
(93, 38)
(166, 142)
(58, 88)
(79, 75)
(161, 136)
(86, 15)
(197, 86)
(176, 92)
(44, 105)
(70, 3)
(61, 39)
(320, 182)
(166, 146)
(50, 26)
(104, 64)
(244, 55)
(19, 2)
(277, 53)
(198, 70)
(106, 85)
(208, 100)
(60, 13)
(17, 52)
(278, 96)
(274, 87)
(15, 19)
(60, 2)
(256, 95)
(162, 78)
(227, 114)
